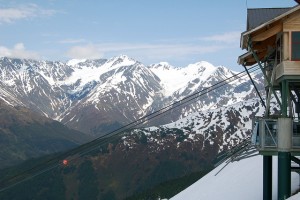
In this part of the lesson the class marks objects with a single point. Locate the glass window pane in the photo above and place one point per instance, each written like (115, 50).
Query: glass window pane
(295, 45)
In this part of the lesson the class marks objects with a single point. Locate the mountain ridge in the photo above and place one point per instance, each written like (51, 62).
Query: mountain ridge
(118, 90)
(25, 134)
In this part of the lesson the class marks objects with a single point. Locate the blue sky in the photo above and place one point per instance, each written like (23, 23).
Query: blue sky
(176, 31)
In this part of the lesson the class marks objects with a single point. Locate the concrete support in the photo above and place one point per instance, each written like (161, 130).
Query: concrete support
(284, 157)
(285, 130)
(267, 177)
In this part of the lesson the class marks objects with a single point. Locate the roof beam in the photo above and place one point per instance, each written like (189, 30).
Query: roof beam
(271, 41)
(248, 59)
(268, 33)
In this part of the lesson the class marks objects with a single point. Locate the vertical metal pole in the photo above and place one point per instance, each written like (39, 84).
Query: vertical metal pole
(267, 177)
(262, 133)
(284, 97)
(284, 143)
(284, 175)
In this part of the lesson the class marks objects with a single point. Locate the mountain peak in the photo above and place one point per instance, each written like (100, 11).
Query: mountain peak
(202, 64)
(123, 57)
(162, 66)
(121, 60)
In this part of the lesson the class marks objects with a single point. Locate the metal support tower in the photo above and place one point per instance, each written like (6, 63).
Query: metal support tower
(267, 177)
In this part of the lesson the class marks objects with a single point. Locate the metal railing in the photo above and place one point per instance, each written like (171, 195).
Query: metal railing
(268, 133)
(265, 134)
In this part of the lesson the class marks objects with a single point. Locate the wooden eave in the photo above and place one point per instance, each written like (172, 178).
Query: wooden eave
(261, 48)
(248, 59)
(243, 58)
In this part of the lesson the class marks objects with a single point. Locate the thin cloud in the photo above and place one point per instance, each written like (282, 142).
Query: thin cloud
(151, 50)
(72, 41)
(229, 37)
(18, 51)
(84, 52)
(9, 15)
(161, 49)
(141, 51)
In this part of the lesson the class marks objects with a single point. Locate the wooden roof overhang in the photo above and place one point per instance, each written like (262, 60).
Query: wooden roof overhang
(262, 39)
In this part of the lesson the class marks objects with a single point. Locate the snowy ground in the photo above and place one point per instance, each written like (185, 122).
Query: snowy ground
(238, 180)
(295, 197)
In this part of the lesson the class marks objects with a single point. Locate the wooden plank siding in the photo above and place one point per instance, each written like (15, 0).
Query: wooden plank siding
(292, 22)
(288, 68)
(286, 46)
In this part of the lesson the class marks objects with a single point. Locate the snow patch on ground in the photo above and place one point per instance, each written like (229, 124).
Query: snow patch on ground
(238, 180)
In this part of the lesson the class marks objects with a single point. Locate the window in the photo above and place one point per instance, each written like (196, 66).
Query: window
(278, 50)
(296, 46)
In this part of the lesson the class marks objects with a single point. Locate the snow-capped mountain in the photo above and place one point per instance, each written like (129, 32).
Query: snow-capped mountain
(219, 85)
(96, 96)
(218, 129)
(34, 84)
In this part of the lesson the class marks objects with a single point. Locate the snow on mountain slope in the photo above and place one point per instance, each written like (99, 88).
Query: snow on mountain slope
(216, 84)
(232, 123)
(8, 97)
(115, 91)
(216, 129)
(75, 62)
(125, 91)
(33, 84)
(175, 78)
(238, 180)
(86, 71)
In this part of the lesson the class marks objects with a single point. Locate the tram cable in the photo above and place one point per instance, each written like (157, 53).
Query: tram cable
(90, 146)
